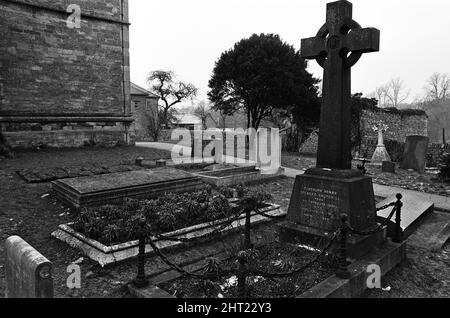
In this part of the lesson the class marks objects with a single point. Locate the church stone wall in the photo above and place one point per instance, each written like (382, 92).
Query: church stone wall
(62, 86)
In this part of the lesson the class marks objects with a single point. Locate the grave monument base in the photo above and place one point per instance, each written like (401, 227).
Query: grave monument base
(320, 197)
(357, 246)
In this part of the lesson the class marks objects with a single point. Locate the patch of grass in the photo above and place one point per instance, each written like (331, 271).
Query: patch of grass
(275, 257)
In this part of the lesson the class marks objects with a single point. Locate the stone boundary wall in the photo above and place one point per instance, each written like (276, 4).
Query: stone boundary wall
(435, 152)
(400, 126)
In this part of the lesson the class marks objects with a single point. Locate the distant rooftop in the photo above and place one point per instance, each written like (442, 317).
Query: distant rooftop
(188, 119)
(137, 90)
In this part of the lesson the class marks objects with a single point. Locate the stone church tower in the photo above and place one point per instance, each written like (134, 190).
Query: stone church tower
(64, 72)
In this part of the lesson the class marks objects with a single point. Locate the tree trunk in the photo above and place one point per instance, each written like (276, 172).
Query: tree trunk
(165, 117)
(5, 149)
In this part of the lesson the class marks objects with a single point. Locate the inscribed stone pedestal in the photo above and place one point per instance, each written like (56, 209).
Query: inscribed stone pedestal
(318, 201)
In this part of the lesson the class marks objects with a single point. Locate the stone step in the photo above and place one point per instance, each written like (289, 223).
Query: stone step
(433, 233)
(388, 257)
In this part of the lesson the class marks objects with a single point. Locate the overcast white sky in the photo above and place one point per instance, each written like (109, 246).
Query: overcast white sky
(188, 36)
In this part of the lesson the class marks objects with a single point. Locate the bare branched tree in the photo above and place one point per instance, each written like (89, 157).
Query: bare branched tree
(396, 92)
(203, 110)
(380, 95)
(438, 87)
(170, 91)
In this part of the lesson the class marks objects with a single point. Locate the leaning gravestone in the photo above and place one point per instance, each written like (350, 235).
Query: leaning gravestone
(28, 273)
(323, 193)
(415, 153)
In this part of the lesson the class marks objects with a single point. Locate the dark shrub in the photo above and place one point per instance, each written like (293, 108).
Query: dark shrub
(445, 168)
(395, 149)
(227, 192)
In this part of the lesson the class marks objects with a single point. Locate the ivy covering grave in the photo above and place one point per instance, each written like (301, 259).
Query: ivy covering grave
(115, 224)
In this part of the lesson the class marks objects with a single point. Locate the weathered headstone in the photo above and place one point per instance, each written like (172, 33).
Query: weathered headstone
(28, 273)
(269, 151)
(161, 163)
(380, 153)
(388, 166)
(415, 153)
(139, 160)
(323, 193)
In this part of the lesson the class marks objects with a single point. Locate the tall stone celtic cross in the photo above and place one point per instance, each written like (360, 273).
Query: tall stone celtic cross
(338, 45)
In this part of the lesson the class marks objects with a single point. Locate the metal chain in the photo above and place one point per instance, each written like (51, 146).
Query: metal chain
(379, 228)
(223, 273)
(384, 207)
(253, 272)
(273, 217)
(179, 269)
(298, 270)
(216, 231)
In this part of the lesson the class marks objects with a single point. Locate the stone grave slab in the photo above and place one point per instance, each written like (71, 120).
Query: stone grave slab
(236, 175)
(28, 273)
(415, 153)
(414, 210)
(110, 188)
(106, 255)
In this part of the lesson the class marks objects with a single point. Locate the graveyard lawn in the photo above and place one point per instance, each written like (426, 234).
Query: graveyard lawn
(27, 210)
(272, 258)
(410, 180)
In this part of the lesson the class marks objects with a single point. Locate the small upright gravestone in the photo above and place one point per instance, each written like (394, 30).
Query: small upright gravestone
(415, 153)
(380, 155)
(388, 166)
(28, 273)
(161, 163)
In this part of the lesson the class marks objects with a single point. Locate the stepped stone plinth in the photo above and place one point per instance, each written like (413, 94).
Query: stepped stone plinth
(114, 187)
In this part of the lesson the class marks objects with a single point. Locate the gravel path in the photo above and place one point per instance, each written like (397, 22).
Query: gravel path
(409, 180)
